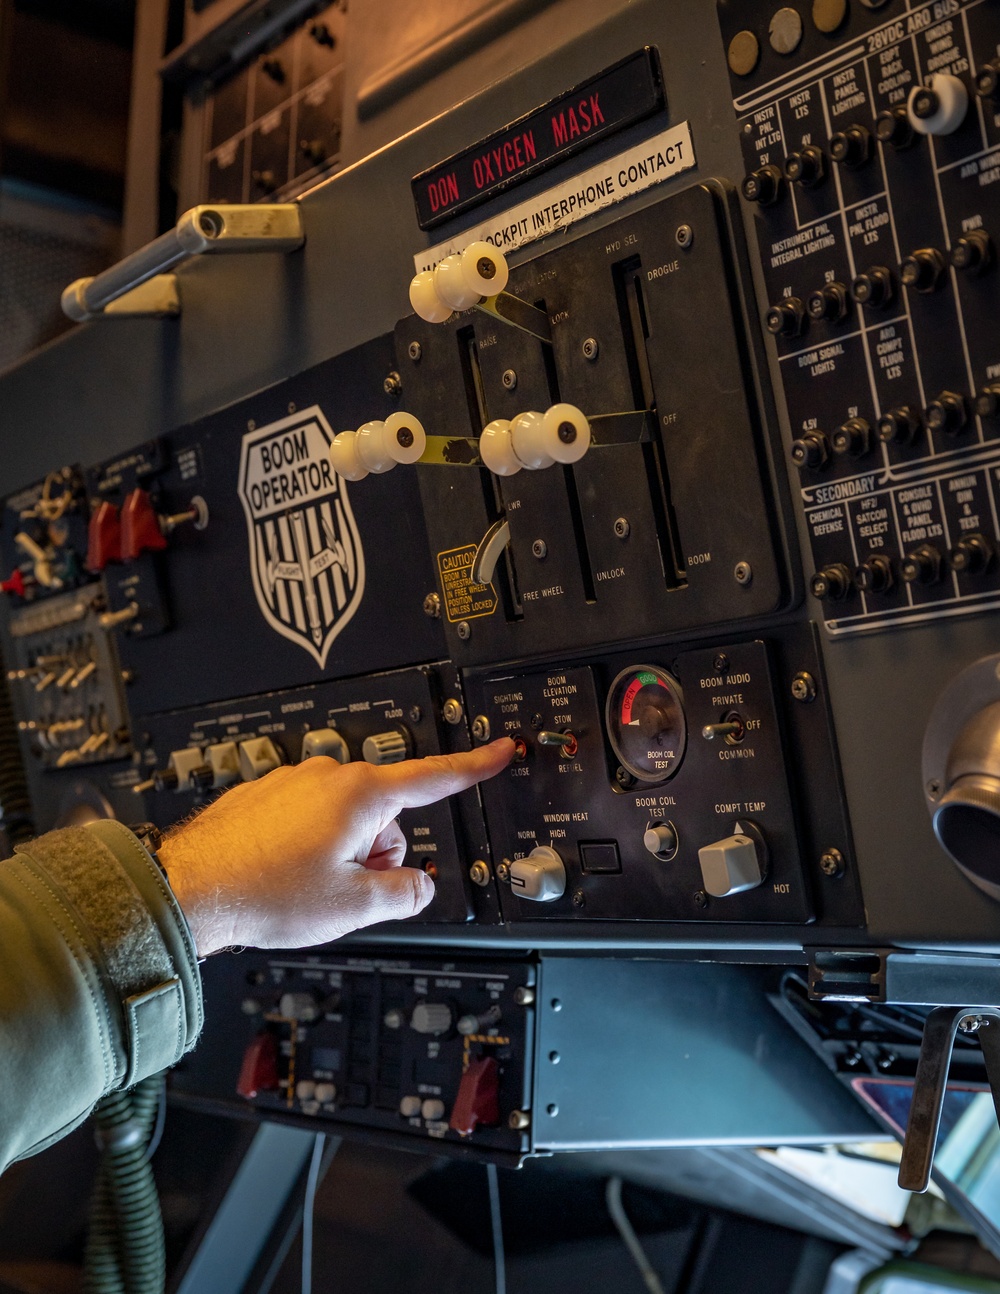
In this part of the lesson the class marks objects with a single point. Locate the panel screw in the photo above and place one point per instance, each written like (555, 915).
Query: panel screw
(624, 778)
(291, 406)
(128, 676)
(684, 235)
(804, 687)
(552, 1109)
(452, 711)
(886, 1060)
(523, 995)
(479, 873)
(463, 630)
(414, 714)
(414, 350)
(933, 789)
(700, 899)
(539, 548)
(743, 573)
(392, 385)
(536, 721)
(556, 1004)
(721, 662)
(481, 728)
(554, 1058)
(853, 1059)
(432, 605)
(971, 1023)
(590, 348)
(622, 527)
(503, 871)
(251, 425)
(509, 379)
(831, 863)
(579, 899)
(518, 1120)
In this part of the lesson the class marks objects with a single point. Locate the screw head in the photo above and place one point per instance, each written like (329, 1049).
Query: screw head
(831, 863)
(579, 899)
(485, 267)
(721, 662)
(503, 871)
(566, 433)
(523, 995)
(432, 605)
(971, 1023)
(743, 573)
(518, 1120)
(404, 437)
(552, 1110)
(804, 687)
(700, 899)
(933, 789)
(591, 348)
(684, 235)
(393, 385)
(622, 527)
(414, 350)
(479, 873)
(554, 1058)
(539, 549)
(452, 711)
(481, 728)
(464, 630)
(624, 778)
(537, 720)
(509, 379)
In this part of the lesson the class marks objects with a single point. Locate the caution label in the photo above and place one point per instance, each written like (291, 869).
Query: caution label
(464, 600)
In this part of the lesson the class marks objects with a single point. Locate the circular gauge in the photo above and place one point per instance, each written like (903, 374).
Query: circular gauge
(645, 720)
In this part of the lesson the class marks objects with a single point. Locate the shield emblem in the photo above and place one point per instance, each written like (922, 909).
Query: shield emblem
(305, 551)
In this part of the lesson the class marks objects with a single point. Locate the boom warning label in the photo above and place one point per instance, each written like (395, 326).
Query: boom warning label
(463, 600)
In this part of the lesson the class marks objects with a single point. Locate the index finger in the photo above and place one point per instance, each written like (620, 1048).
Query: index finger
(416, 782)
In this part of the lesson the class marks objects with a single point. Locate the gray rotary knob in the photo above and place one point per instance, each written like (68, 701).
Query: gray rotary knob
(431, 1017)
(384, 748)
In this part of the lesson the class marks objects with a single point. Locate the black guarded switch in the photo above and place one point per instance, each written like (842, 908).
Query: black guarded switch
(893, 129)
(851, 147)
(921, 565)
(899, 426)
(875, 574)
(972, 253)
(853, 438)
(948, 413)
(811, 450)
(807, 167)
(831, 302)
(831, 583)
(875, 287)
(988, 401)
(763, 186)
(923, 270)
(972, 555)
(987, 83)
(787, 318)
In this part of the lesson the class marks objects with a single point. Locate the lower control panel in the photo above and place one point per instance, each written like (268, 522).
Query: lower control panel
(421, 1048)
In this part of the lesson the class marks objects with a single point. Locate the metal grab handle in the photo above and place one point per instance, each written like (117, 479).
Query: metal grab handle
(249, 227)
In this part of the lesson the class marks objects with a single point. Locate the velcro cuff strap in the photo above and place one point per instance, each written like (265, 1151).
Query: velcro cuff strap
(156, 1034)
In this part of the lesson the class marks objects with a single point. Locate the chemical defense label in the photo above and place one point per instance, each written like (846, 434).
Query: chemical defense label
(463, 600)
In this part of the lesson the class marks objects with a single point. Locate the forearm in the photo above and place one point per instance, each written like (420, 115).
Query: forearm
(99, 985)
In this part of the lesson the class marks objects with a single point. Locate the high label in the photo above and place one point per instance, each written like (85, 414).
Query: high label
(616, 98)
(305, 551)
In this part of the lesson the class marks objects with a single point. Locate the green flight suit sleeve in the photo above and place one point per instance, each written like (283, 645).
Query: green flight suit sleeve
(99, 980)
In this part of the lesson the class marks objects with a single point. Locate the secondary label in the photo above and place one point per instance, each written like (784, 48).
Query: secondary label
(638, 168)
(463, 600)
(618, 97)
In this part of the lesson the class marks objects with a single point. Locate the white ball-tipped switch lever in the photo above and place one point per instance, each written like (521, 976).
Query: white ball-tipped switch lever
(459, 282)
(535, 440)
(378, 446)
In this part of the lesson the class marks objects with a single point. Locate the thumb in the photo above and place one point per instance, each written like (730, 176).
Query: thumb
(390, 895)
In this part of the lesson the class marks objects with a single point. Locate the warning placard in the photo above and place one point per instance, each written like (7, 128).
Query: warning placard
(464, 600)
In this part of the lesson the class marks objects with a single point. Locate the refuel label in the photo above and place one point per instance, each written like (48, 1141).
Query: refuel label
(618, 97)
(463, 600)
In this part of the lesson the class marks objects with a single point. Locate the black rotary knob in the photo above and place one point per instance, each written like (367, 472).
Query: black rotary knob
(899, 426)
(948, 413)
(831, 583)
(787, 318)
(925, 103)
(165, 779)
(875, 574)
(851, 147)
(830, 302)
(893, 128)
(763, 186)
(972, 555)
(811, 450)
(875, 287)
(923, 270)
(988, 401)
(201, 777)
(921, 565)
(853, 437)
(973, 252)
(807, 167)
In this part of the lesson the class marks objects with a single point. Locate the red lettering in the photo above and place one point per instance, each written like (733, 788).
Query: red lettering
(433, 195)
(584, 115)
(559, 134)
(497, 157)
(451, 182)
(595, 109)
(508, 157)
(574, 125)
(529, 146)
(477, 173)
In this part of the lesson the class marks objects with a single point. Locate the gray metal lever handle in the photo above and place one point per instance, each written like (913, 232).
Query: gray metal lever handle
(244, 227)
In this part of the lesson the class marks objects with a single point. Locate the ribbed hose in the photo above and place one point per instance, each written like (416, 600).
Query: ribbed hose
(124, 1253)
(15, 804)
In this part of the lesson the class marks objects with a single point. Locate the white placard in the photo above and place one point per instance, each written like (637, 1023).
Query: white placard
(640, 167)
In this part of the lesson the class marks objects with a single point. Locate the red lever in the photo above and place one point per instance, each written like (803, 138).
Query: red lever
(104, 538)
(259, 1071)
(141, 531)
(478, 1099)
(15, 584)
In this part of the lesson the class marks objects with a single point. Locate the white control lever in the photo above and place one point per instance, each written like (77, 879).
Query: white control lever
(476, 277)
(378, 446)
(535, 440)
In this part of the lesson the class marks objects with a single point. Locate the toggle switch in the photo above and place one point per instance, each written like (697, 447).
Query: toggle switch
(140, 527)
(478, 1099)
(259, 1071)
(939, 107)
(385, 748)
(535, 440)
(433, 1109)
(409, 1107)
(378, 447)
(104, 537)
(177, 774)
(540, 877)
(434, 1018)
(299, 1006)
(221, 767)
(258, 756)
(735, 864)
(458, 282)
(325, 741)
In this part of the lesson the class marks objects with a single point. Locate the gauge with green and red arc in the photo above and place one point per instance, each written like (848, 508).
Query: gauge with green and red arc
(645, 722)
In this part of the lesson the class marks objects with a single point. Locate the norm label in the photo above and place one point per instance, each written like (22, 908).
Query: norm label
(619, 96)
